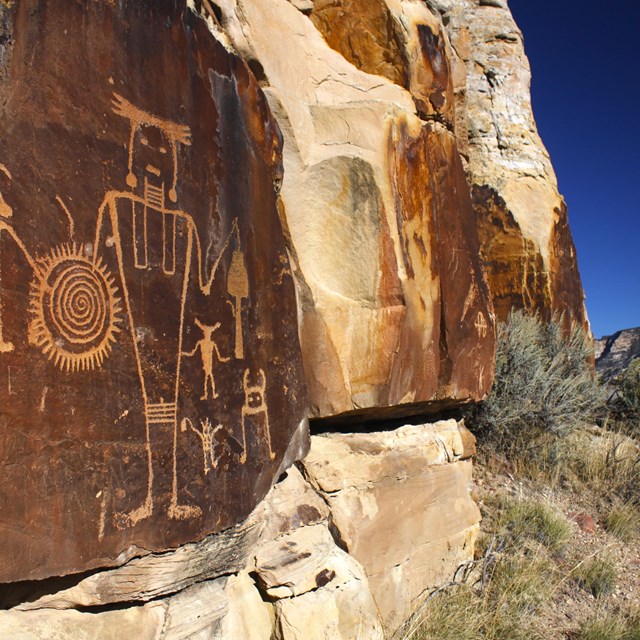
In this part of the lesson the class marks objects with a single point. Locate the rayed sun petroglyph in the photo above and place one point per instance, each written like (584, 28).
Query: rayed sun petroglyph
(80, 309)
(75, 308)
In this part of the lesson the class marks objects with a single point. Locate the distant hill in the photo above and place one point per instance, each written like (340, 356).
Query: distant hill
(614, 353)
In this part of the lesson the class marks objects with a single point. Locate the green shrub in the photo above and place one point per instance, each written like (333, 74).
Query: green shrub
(544, 384)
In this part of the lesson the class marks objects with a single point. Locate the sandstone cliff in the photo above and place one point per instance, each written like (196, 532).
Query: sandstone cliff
(219, 219)
(526, 244)
(614, 353)
(395, 309)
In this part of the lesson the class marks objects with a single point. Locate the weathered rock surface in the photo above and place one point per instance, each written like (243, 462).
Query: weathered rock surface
(292, 582)
(150, 369)
(223, 609)
(614, 353)
(522, 220)
(321, 592)
(395, 309)
(401, 504)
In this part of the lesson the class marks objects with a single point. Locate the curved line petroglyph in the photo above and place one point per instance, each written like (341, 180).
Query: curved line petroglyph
(66, 211)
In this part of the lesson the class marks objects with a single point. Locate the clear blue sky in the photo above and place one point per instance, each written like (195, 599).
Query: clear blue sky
(585, 60)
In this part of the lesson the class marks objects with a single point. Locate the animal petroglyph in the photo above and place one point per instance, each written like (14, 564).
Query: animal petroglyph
(206, 433)
(208, 349)
(75, 309)
(255, 411)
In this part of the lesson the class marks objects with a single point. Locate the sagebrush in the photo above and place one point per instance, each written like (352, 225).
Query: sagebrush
(624, 403)
(544, 384)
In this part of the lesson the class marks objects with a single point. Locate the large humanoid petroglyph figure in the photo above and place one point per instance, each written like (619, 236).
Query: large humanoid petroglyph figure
(153, 237)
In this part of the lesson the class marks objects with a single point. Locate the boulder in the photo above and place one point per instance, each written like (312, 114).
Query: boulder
(320, 592)
(151, 382)
(401, 505)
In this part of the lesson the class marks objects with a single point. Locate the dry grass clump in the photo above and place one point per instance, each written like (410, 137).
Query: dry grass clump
(623, 521)
(605, 463)
(534, 520)
(466, 614)
(597, 575)
(608, 462)
(616, 626)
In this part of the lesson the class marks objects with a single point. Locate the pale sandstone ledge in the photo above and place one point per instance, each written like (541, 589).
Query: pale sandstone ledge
(342, 548)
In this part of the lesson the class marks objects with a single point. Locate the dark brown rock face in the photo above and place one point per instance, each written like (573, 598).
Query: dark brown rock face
(432, 201)
(567, 295)
(516, 272)
(150, 371)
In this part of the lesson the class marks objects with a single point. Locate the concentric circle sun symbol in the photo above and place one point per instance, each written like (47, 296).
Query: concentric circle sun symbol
(75, 309)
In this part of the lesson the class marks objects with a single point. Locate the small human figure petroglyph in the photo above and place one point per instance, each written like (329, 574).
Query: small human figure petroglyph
(207, 348)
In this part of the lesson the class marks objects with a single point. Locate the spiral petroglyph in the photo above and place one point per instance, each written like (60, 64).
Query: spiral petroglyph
(75, 309)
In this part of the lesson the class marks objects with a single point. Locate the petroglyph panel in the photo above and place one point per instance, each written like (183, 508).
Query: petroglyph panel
(150, 371)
